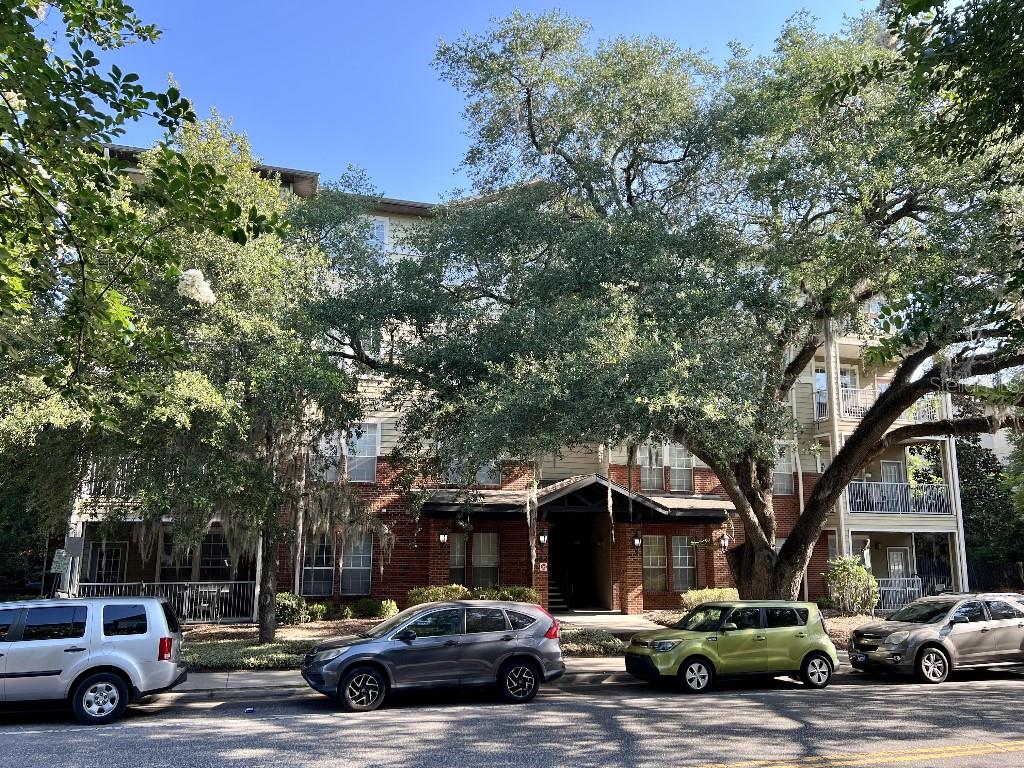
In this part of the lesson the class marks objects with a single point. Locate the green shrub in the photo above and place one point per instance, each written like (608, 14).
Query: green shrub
(825, 603)
(591, 642)
(512, 593)
(345, 612)
(317, 611)
(290, 608)
(851, 588)
(693, 598)
(366, 608)
(436, 594)
(388, 608)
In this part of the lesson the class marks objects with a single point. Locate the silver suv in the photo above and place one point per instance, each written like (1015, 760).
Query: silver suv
(97, 653)
(461, 643)
(934, 635)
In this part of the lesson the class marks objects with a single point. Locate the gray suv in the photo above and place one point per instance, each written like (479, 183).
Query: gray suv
(98, 653)
(461, 643)
(934, 635)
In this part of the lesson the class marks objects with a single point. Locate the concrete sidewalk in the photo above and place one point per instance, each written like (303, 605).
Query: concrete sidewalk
(228, 685)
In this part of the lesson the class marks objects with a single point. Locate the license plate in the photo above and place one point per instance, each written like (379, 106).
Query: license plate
(858, 657)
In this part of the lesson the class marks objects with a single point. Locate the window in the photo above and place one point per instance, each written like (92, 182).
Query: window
(318, 566)
(361, 447)
(892, 472)
(489, 474)
(171, 617)
(655, 564)
(7, 617)
(456, 558)
(680, 462)
(833, 545)
(106, 563)
(519, 620)
(652, 473)
(356, 561)
(214, 558)
(485, 620)
(438, 623)
(802, 614)
(485, 559)
(174, 566)
(745, 618)
(970, 612)
(683, 563)
(380, 232)
(1000, 610)
(124, 620)
(782, 617)
(783, 476)
(58, 622)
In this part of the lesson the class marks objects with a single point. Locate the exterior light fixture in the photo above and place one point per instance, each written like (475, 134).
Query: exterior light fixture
(637, 540)
(543, 538)
(443, 537)
(725, 541)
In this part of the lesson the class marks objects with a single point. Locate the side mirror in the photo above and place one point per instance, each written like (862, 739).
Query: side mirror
(958, 620)
(406, 636)
(729, 627)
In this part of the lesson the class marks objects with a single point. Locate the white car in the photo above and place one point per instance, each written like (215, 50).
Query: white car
(99, 654)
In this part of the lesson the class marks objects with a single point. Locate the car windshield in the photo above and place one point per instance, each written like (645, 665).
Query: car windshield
(704, 618)
(925, 612)
(391, 624)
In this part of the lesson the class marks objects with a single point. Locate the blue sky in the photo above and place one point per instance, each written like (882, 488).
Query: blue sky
(318, 86)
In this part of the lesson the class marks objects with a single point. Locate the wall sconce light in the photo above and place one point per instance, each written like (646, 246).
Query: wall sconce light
(637, 540)
(725, 541)
(543, 538)
(443, 537)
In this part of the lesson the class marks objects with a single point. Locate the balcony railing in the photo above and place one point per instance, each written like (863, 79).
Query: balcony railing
(895, 593)
(854, 403)
(899, 498)
(193, 601)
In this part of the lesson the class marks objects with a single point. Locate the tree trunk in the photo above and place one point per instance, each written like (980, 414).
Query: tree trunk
(764, 575)
(268, 585)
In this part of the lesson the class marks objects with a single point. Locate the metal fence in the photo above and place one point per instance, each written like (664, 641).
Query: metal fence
(899, 498)
(895, 593)
(193, 601)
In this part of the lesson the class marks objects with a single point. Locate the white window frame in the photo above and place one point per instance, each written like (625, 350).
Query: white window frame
(684, 562)
(902, 471)
(680, 463)
(486, 558)
(314, 564)
(783, 483)
(649, 472)
(361, 562)
(655, 562)
(489, 473)
(381, 232)
(832, 543)
(457, 557)
(364, 464)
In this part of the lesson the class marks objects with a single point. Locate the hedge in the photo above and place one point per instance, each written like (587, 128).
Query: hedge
(450, 592)
(693, 598)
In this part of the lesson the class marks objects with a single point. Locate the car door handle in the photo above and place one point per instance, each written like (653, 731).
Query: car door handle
(506, 638)
(984, 629)
(801, 634)
(712, 639)
(73, 649)
(450, 643)
(760, 637)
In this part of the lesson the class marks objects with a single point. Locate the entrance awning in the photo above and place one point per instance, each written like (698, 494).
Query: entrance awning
(579, 493)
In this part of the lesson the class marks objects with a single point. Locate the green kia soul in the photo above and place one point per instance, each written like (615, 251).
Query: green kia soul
(762, 637)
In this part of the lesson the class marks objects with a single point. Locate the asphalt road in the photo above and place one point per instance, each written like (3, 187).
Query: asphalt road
(971, 721)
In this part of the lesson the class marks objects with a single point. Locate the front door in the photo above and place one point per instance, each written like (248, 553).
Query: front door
(51, 652)
(970, 633)
(487, 642)
(899, 562)
(742, 649)
(432, 657)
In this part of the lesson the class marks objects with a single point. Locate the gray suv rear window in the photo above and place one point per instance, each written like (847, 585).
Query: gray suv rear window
(484, 620)
(124, 620)
(519, 620)
(57, 622)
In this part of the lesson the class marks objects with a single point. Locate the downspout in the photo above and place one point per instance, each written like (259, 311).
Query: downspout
(832, 388)
(798, 465)
(954, 493)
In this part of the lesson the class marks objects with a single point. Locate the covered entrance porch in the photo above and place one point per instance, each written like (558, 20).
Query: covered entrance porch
(907, 565)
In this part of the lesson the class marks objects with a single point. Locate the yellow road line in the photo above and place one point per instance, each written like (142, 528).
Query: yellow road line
(882, 757)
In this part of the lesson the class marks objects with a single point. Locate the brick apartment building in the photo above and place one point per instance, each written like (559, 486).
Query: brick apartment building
(667, 533)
